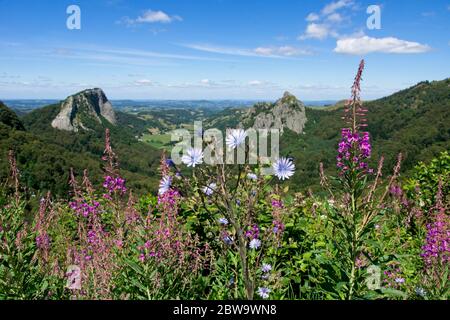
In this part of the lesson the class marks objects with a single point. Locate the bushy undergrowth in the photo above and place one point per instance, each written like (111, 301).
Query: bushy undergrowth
(232, 232)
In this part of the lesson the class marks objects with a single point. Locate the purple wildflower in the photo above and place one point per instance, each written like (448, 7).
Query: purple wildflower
(81, 207)
(277, 203)
(278, 227)
(209, 189)
(253, 233)
(266, 268)
(263, 292)
(114, 185)
(353, 150)
(436, 249)
(227, 238)
(252, 176)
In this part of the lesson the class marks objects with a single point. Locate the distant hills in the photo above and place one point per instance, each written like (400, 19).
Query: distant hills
(70, 133)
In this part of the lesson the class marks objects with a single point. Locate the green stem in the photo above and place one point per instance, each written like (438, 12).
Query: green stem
(354, 244)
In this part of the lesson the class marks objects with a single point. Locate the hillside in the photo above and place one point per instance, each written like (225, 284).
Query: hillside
(45, 154)
(9, 118)
(414, 121)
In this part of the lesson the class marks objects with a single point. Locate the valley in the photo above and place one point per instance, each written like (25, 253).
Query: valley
(140, 132)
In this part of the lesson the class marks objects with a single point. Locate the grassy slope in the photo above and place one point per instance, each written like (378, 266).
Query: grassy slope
(45, 155)
(414, 121)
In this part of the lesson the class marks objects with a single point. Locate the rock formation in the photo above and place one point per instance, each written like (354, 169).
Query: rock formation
(79, 109)
(287, 112)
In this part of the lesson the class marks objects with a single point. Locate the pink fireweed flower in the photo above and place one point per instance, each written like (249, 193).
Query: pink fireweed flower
(277, 203)
(119, 243)
(84, 208)
(169, 198)
(115, 185)
(353, 150)
(43, 241)
(437, 247)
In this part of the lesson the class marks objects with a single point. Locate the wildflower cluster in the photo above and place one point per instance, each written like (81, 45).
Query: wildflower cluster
(84, 207)
(436, 250)
(227, 232)
(393, 277)
(114, 186)
(354, 151)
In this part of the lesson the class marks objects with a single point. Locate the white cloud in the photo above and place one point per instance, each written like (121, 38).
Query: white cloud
(335, 17)
(286, 51)
(366, 44)
(143, 82)
(221, 50)
(317, 31)
(268, 52)
(255, 83)
(323, 25)
(264, 51)
(291, 51)
(151, 16)
(312, 17)
(333, 6)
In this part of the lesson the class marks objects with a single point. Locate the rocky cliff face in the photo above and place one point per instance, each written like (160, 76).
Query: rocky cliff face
(78, 111)
(287, 112)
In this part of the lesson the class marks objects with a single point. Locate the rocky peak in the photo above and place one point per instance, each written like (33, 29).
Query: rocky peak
(288, 98)
(80, 110)
(287, 112)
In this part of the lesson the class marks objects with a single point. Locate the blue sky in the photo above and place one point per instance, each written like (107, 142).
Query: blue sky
(220, 49)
